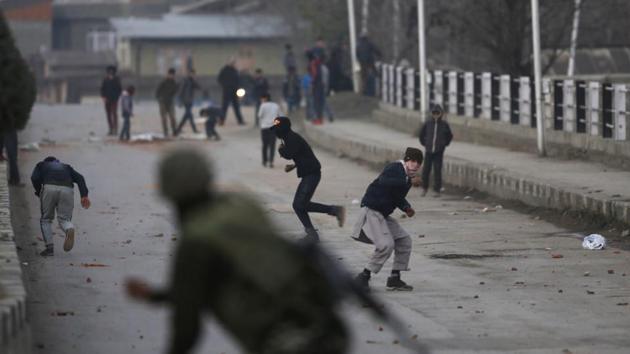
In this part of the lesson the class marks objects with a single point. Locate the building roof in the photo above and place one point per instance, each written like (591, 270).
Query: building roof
(175, 26)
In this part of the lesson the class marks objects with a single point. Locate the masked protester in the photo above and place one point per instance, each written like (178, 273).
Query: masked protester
(294, 147)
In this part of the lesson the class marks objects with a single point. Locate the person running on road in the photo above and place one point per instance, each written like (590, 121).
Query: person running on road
(376, 226)
(294, 147)
(435, 136)
(54, 185)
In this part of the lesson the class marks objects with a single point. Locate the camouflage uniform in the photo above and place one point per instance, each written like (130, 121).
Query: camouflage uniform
(232, 263)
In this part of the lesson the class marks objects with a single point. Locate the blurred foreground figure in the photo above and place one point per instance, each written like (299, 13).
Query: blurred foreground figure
(232, 263)
(54, 185)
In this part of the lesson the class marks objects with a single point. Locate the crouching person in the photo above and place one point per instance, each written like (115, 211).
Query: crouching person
(54, 185)
(213, 115)
(376, 226)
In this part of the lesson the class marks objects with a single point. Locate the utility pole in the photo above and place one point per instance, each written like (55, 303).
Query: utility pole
(396, 30)
(574, 36)
(365, 15)
(353, 47)
(540, 127)
(423, 61)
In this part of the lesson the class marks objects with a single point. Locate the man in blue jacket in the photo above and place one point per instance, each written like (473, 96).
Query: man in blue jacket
(376, 226)
(54, 185)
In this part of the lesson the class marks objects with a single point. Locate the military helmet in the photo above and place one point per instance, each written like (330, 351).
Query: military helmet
(185, 174)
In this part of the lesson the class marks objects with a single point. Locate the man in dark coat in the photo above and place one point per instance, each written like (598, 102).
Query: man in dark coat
(435, 136)
(376, 226)
(165, 94)
(187, 97)
(111, 89)
(229, 81)
(261, 87)
(294, 147)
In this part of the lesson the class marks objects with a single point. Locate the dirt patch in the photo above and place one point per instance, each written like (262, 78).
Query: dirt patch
(578, 222)
(464, 256)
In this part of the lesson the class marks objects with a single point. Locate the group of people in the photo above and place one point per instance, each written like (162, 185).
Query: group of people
(288, 294)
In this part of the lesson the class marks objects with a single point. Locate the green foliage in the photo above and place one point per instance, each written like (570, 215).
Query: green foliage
(17, 83)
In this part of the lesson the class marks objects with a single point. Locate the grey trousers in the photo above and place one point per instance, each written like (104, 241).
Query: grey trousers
(388, 236)
(60, 199)
(167, 113)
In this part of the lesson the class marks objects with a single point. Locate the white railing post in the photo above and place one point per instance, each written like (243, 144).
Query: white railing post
(620, 108)
(593, 114)
(486, 96)
(452, 92)
(568, 101)
(525, 103)
(504, 99)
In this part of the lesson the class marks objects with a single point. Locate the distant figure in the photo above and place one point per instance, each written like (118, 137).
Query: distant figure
(126, 107)
(435, 136)
(229, 81)
(367, 53)
(213, 114)
(289, 60)
(326, 83)
(165, 95)
(54, 185)
(291, 90)
(231, 262)
(317, 85)
(268, 112)
(111, 89)
(187, 97)
(294, 147)
(307, 90)
(261, 87)
(376, 226)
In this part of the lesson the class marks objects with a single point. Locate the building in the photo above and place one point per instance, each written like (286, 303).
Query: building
(30, 21)
(148, 47)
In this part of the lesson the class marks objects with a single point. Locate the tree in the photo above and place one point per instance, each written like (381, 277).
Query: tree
(17, 83)
(17, 96)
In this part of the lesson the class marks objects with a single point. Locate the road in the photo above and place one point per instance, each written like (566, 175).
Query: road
(484, 282)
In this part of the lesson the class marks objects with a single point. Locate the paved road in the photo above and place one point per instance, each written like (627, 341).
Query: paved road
(485, 281)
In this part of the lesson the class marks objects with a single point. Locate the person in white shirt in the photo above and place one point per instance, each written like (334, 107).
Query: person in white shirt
(266, 114)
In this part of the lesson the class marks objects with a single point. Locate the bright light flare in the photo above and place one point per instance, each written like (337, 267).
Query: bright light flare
(240, 92)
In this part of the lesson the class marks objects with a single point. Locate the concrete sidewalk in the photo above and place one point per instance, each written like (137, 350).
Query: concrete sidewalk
(541, 182)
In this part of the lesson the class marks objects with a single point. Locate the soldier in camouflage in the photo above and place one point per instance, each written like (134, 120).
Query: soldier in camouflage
(256, 284)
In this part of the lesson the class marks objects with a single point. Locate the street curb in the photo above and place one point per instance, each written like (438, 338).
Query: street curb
(483, 177)
(12, 291)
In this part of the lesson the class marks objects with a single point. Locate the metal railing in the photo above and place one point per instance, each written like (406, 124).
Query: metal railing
(574, 106)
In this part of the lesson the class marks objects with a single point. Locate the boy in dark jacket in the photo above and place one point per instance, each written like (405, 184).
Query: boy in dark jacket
(126, 105)
(54, 185)
(435, 136)
(376, 226)
(229, 81)
(294, 147)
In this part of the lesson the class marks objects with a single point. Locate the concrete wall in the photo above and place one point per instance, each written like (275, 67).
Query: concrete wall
(31, 36)
(14, 330)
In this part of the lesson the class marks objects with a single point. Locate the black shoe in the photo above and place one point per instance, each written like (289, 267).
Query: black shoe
(395, 284)
(363, 280)
(48, 252)
(340, 214)
(363, 238)
(311, 236)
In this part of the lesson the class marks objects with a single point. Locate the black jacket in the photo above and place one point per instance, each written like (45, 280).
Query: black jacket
(166, 91)
(389, 190)
(57, 173)
(228, 78)
(261, 86)
(111, 89)
(295, 148)
(438, 132)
